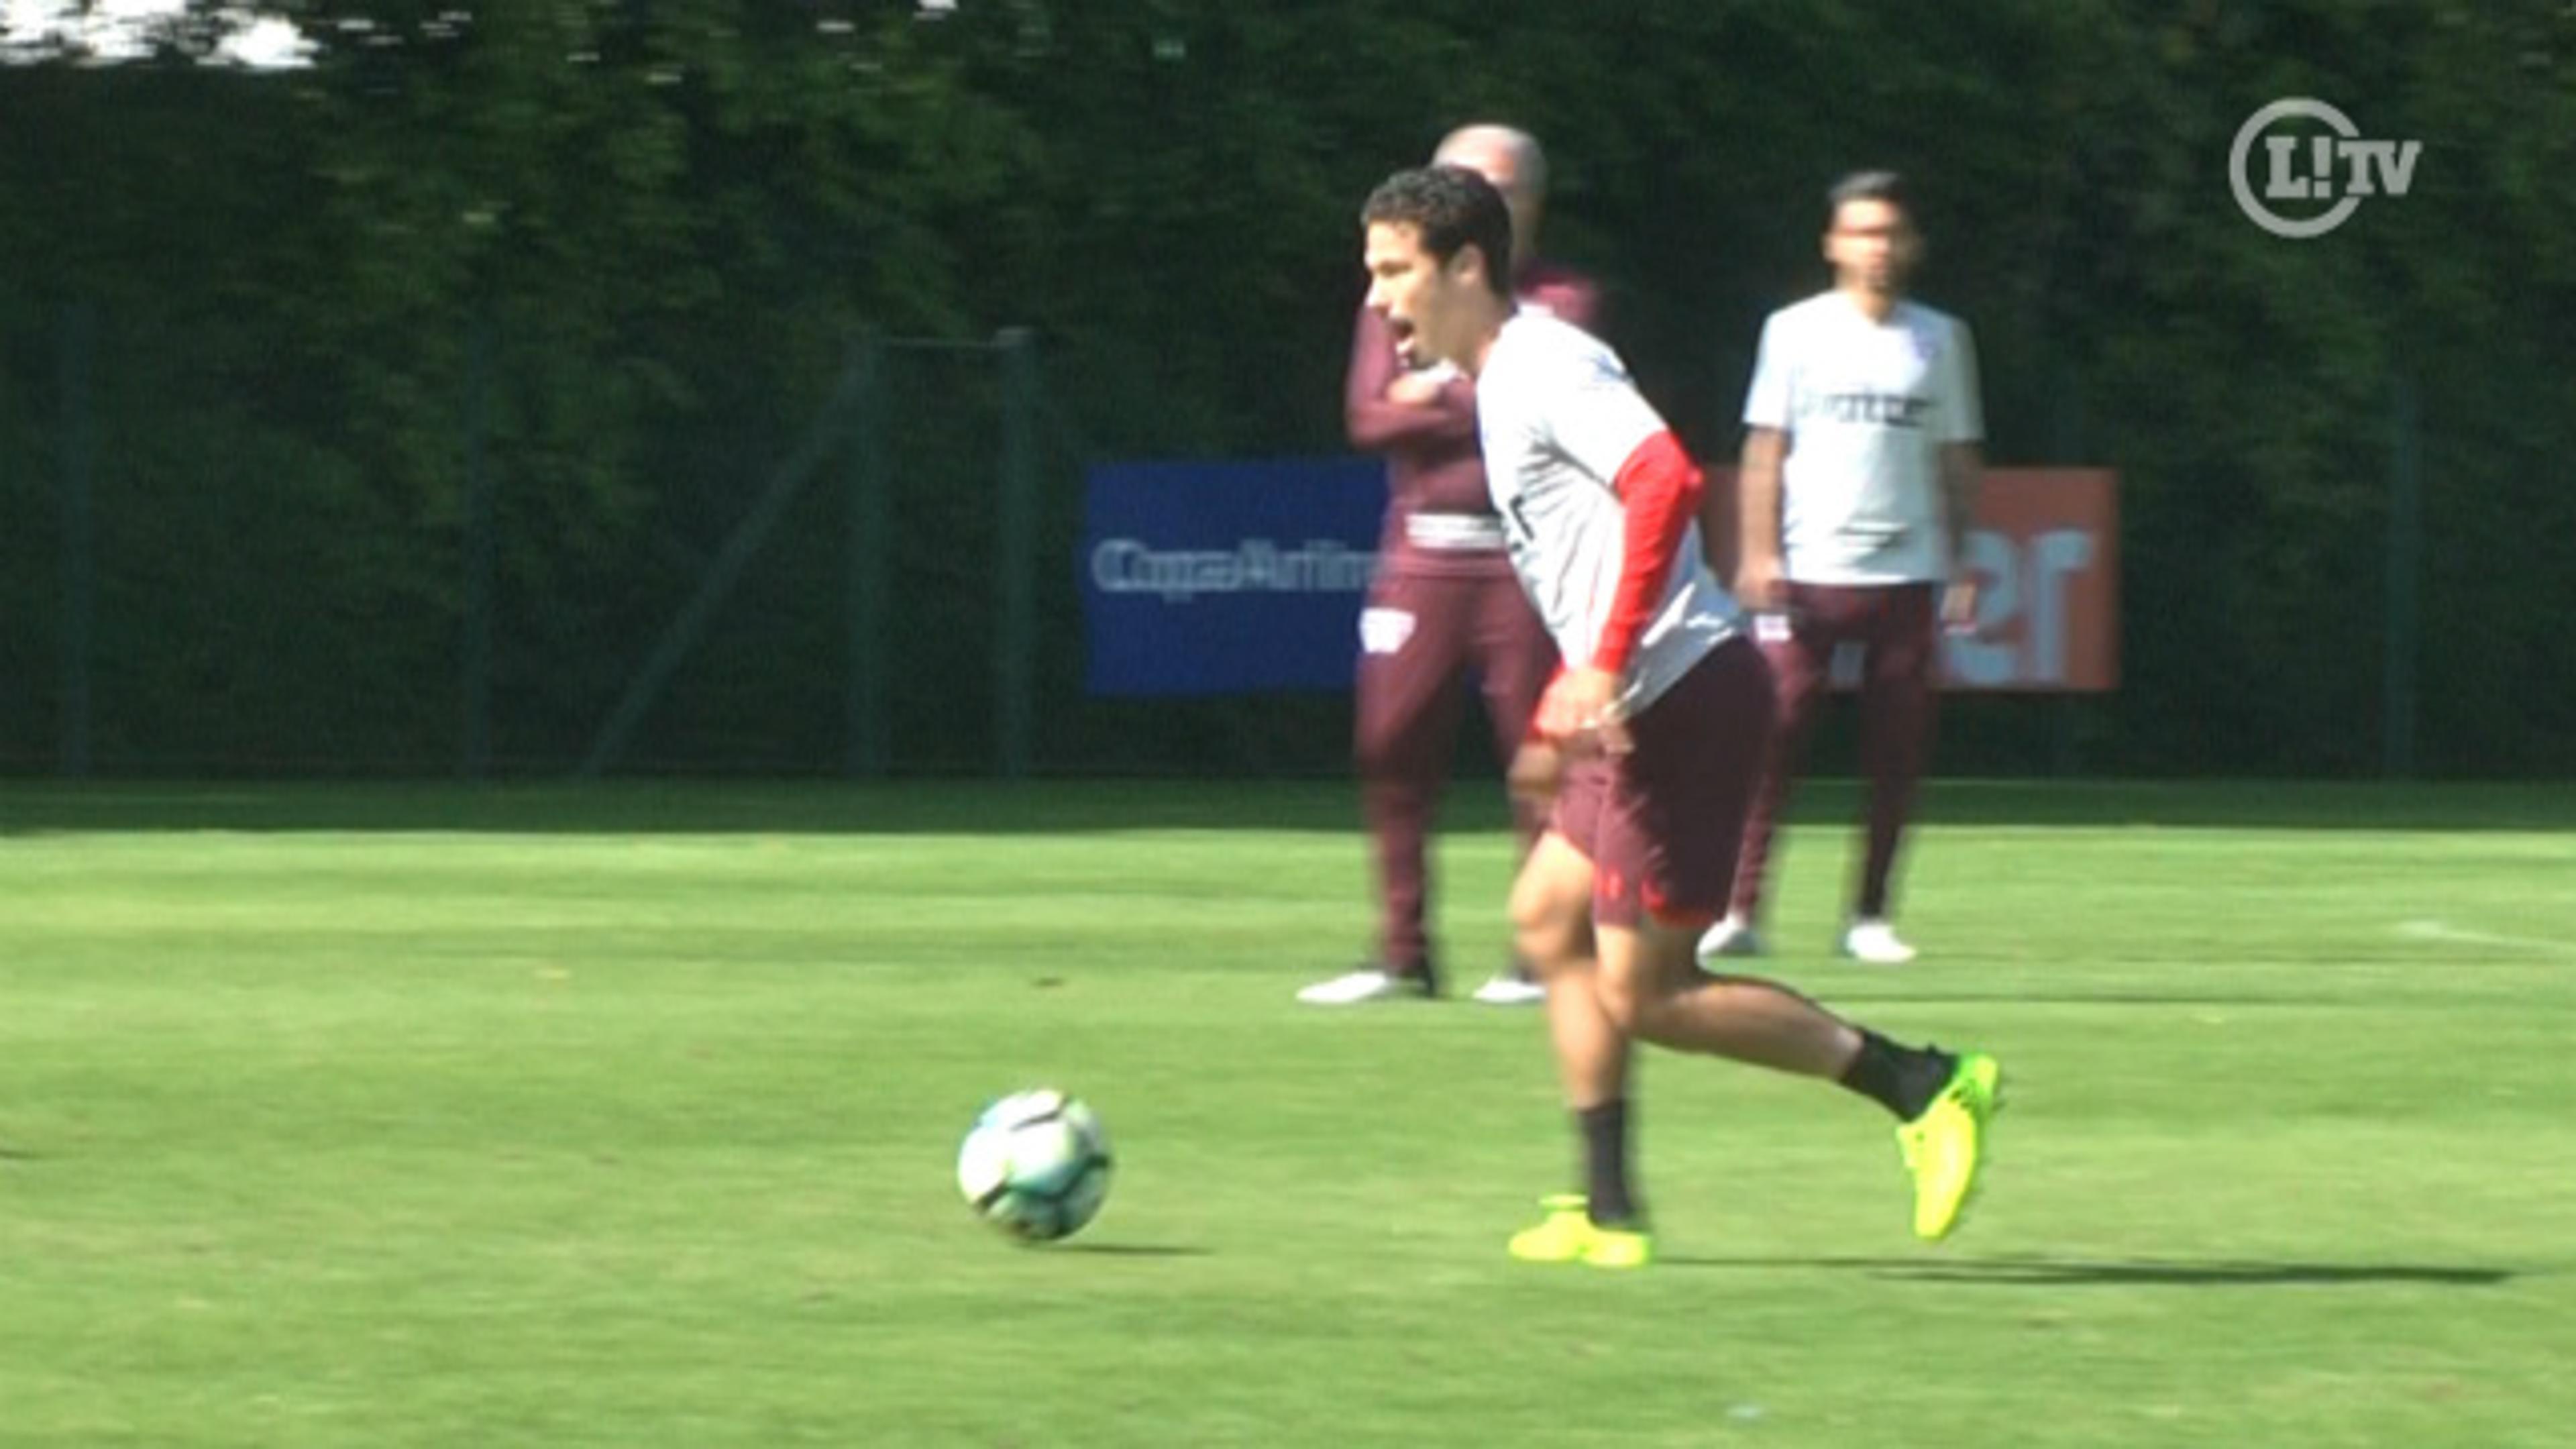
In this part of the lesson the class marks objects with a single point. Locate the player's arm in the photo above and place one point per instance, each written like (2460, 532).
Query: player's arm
(1537, 769)
(1963, 475)
(1384, 406)
(1659, 490)
(1759, 570)
(1768, 406)
(1962, 467)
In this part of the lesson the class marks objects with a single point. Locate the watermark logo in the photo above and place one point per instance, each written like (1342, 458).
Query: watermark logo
(2341, 168)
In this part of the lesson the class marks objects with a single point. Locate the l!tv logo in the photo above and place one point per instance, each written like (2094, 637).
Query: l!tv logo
(2299, 163)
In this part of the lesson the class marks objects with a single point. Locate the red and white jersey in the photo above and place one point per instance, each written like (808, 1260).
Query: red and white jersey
(1867, 406)
(1559, 418)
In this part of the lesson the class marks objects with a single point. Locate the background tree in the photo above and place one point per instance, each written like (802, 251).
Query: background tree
(649, 230)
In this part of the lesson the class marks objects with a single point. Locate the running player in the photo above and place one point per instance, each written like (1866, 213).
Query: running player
(1859, 477)
(1664, 705)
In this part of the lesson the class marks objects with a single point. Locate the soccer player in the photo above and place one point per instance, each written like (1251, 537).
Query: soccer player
(1444, 602)
(1859, 477)
(1664, 707)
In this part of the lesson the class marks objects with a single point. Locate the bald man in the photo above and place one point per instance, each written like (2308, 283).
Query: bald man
(1445, 604)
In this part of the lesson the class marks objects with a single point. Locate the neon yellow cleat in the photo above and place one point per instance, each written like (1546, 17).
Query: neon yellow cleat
(1568, 1235)
(1618, 1248)
(1560, 1237)
(1945, 1147)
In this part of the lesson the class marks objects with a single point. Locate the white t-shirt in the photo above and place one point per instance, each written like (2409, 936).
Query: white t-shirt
(1867, 406)
(1559, 418)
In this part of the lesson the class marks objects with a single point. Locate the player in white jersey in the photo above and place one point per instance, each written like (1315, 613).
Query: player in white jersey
(1662, 705)
(1859, 481)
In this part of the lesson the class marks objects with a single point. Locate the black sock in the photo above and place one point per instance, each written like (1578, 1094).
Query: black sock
(1604, 1130)
(1902, 1079)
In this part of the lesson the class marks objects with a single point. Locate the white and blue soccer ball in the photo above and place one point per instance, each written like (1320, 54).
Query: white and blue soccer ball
(1036, 1165)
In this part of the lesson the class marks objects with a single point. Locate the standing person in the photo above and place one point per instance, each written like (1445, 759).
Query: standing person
(1444, 602)
(1859, 476)
(1663, 706)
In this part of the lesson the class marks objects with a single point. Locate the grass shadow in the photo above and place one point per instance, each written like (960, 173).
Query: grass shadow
(2155, 1273)
(1133, 1250)
(2067, 998)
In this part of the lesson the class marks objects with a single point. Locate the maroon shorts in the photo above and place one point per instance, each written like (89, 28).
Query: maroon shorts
(1662, 823)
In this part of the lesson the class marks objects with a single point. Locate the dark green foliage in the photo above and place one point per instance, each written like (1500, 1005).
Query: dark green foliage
(672, 218)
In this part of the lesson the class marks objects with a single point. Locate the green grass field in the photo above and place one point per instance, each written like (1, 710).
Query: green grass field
(625, 1117)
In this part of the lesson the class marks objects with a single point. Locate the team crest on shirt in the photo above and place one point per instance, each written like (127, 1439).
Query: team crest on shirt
(1385, 631)
(1888, 409)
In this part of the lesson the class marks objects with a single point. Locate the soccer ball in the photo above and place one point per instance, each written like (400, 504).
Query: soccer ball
(1036, 1165)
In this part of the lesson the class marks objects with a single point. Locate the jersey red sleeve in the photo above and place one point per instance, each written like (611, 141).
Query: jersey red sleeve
(1659, 488)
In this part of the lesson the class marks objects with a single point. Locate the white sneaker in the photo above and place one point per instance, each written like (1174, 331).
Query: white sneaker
(1510, 988)
(1733, 936)
(1873, 940)
(1369, 983)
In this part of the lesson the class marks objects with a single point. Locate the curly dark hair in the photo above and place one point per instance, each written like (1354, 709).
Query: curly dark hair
(1454, 208)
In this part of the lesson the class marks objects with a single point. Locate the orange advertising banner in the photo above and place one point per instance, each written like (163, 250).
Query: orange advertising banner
(2046, 553)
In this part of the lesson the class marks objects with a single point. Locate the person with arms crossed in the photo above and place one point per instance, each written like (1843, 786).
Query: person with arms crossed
(1663, 708)
(1859, 481)
(1444, 601)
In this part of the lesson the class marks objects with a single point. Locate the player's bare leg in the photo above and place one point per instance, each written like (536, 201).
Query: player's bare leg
(1651, 990)
(1650, 987)
(1552, 924)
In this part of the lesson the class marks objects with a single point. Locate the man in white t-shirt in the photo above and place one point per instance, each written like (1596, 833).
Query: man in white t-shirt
(1663, 708)
(1859, 481)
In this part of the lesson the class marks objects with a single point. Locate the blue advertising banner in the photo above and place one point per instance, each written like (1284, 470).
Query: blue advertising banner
(1227, 577)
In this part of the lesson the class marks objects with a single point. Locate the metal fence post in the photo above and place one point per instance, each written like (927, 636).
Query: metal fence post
(1015, 636)
(725, 570)
(2405, 546)
(476, 762)
(2067, 424)
(79, 346)
(870, 557)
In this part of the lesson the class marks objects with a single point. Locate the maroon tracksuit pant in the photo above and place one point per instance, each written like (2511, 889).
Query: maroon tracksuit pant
(1421, 636)
(1897, 629)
